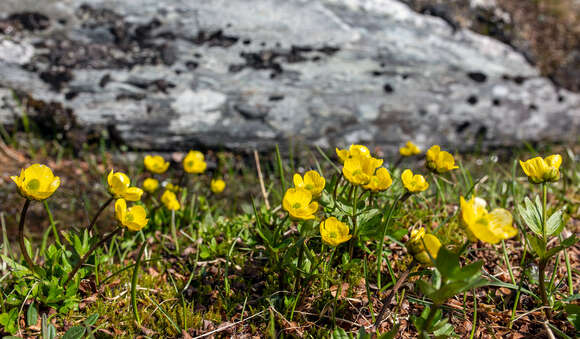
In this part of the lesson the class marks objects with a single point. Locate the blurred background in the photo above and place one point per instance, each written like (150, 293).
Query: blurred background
(240, 75)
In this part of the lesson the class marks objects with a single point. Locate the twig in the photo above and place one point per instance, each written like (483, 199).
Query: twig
(228, 326)
(261, 178)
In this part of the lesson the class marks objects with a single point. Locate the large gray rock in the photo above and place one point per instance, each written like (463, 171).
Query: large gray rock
(165, 74)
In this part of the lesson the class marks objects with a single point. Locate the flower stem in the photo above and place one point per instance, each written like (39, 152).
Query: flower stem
(432, 312)
(544, 211)
(543, 293)
(52, 224)
(353, 219)
(27, 258)
(94, 221)
(174, 232)
(507, 262)
(88, 254)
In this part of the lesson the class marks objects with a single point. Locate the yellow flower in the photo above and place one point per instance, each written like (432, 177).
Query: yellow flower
(134, 218)
(414, 183)
(150, 185)
(440, 161)
(409, 149)
(312, 181)
(353, 151)
(488, 227)
(541, 170)
(169, 199)
(173, 188)
(194, 162)
(359, 169)
(298, 203)
(380, 181)
(156, 164)
(334, 232)
(217, 185)
(37, 182)
(421, 245)
(119, 187)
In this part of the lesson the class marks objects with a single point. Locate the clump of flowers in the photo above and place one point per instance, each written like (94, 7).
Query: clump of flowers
(423, 246)
(169, 199)
(134, 218)
(352, 151)
(414, 183)
(409, 149)
(150, 185)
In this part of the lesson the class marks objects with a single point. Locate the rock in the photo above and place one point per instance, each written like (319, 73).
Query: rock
(160, 74)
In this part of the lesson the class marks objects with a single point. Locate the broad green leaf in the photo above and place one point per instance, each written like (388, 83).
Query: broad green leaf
(92, 319)
(31, 315)
(530, 216)
(554, 224)
(339, 333)
(537, 245)
(447, 263)
(426, 288)
(75, 332)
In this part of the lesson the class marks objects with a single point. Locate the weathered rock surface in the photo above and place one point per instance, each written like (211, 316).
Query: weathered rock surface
(239, 74)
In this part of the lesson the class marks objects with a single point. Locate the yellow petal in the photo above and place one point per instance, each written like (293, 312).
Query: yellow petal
(132, 194)
(120, 210)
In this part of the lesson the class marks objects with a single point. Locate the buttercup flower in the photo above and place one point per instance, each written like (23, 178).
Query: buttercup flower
(169, 199)
(440, 161)
(420, 243)
(150, 185)
(119, 187)
(134, 218)
(194, 162)
(541, 170)
(173, 188)
(334, 232)
(156, 164)
(414, 183)
(409, 149)
(217, 185)
(298, 203)
(353, 151)
(488, 227)
(37, 182)
(312, 182)
(359, 169)
(380, 181)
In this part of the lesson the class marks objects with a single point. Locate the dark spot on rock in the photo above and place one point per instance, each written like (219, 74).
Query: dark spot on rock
(228, 25)
(477, 76)
(533, 107)
(168, 54)
(505, 77)
(376, 73)
(62, 21)
(472, 100)
(561, 98)
(316, 58)
(215, 39)
(251, 111)
(178, 71)
(197, 55)
(276, 97)
(131, 96)
(388, 88)
(441, 11)
(56, 78)
(405, 76)
(328, 50)
(519, 79)
(481, 133)
(422, 112)
(496, 102)
(462, 127)
(382, 64)
(105, 80)
(246, 42)
(278, 45)
(263, 44)
(71, 95)
(30, 21)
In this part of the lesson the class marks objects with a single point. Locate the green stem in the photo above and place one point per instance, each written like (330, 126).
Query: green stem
(568, 270)
(507, 262)
(543, 292)
(134, 283)
(174, 232)
(440, 194)
(432, 312)
(101, 209)
(544, 210)
(379, 254)
(353, 219)
(52, 224)
(473, 327)
(86, 256)
(27, 258)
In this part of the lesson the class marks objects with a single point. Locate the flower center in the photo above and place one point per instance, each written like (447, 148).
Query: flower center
(130, 217)
(333, 235)
(309, 187)
(33, 185)
(296, 205)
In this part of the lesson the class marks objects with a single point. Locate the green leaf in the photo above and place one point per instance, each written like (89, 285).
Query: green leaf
(447, 263)
(573, 315)
(339, 333)
(530, 216)
(468, 272)
(554, 225)
(426, 288)
(75, 332)
(31, 315)
(92, 319)
(537, 245)
(9, 321)
(362, 334)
